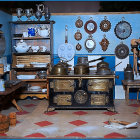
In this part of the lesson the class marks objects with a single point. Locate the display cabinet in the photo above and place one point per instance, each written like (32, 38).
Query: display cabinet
(32, 53)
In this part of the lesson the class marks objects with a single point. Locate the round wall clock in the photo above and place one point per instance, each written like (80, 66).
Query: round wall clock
(123, 30)
(90, 26)
(90, 44)
(78, 35)
(105, 25)
(78, 47)
(122, 51)
(79, 23)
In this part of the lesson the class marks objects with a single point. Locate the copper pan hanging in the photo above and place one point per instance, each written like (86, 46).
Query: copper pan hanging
(78, 35)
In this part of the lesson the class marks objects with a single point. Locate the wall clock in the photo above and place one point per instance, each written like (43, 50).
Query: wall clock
(90, 26)
(123, 30)
(79, 23)
(105, 25)
(90, 44)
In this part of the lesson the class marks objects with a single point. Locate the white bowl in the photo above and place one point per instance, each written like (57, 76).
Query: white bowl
(37, 64)
(20, 65)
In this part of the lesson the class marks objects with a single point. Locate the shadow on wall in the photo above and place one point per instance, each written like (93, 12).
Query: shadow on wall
(4, 20)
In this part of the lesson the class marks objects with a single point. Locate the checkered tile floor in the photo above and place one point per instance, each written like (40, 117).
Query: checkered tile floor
(34, 123)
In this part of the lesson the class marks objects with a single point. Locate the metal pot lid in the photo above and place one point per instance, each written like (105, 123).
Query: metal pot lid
(105, 25)
(122, 51)
(123, 29)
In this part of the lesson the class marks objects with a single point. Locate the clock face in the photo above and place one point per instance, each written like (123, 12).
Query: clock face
(90, 44)
(123, 30)
(90, 26)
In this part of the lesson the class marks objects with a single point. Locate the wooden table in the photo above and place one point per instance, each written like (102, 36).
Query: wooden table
(130, 84)
(12, 90)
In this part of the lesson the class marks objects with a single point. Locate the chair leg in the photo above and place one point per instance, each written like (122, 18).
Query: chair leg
(16, 105)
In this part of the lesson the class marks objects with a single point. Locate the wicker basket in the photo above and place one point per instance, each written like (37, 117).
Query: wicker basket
(4, 123)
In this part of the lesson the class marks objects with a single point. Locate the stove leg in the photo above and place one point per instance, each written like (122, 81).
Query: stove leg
(49, 109)
(112, 109)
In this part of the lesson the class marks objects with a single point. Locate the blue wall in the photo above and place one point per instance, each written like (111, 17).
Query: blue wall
(114, 18)
(4, 19)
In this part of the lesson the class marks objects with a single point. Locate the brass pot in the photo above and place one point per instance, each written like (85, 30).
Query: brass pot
(81, 69)
(59, 69)
(103, 68)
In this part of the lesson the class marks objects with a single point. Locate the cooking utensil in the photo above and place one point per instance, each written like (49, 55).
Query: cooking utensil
(83, 68)
(66, 51)
(60, 69)
(79, 23)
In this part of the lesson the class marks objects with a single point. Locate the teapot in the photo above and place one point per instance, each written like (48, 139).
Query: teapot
(22, 47)
(43, 32)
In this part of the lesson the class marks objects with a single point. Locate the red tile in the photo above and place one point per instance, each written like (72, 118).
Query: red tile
(29, 105)
(78, 122)
(22, 113)
(43, 123)
(106, 122)
(51, 113)
(80, 113)
(39, 135)
(75, 134)
(109, 113)
(3, 134)
(114, 135)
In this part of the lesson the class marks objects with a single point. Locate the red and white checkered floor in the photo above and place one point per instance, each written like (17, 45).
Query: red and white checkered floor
(34, 123)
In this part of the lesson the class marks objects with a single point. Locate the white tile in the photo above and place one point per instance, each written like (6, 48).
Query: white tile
(136, 77)
(91, 57)
(123, 65)
(119, 92)
(71, 63)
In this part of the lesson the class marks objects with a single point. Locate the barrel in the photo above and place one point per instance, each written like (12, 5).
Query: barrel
(12, 118)
(4, 123)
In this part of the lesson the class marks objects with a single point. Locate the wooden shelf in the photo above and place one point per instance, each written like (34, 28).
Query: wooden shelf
(30, 38)
(33, 53)
(33, 22)
(30, 69)
(34, 92)
(34, 80)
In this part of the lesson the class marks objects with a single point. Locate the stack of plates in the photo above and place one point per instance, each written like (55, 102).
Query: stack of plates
(34, 88)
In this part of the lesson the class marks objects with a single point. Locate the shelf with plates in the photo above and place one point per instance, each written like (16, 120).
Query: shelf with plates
(37, 57)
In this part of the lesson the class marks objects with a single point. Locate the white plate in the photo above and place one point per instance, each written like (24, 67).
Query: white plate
(26, 76)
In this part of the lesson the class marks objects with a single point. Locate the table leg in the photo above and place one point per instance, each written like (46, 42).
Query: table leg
(127, 95)
(16, 105)
(138, 94)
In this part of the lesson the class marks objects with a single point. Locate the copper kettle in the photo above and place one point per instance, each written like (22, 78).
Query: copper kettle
(60, 69)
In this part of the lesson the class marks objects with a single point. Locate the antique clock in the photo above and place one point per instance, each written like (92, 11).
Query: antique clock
(123, 29)
(90, 44)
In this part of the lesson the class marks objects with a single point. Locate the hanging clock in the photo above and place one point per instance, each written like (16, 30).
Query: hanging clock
(90, 44)
(105, 25)
(90, 26)
(122, 51)
(104, 43)
(79, 23)
(123, 30)
(78, 35)
(78, 47)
